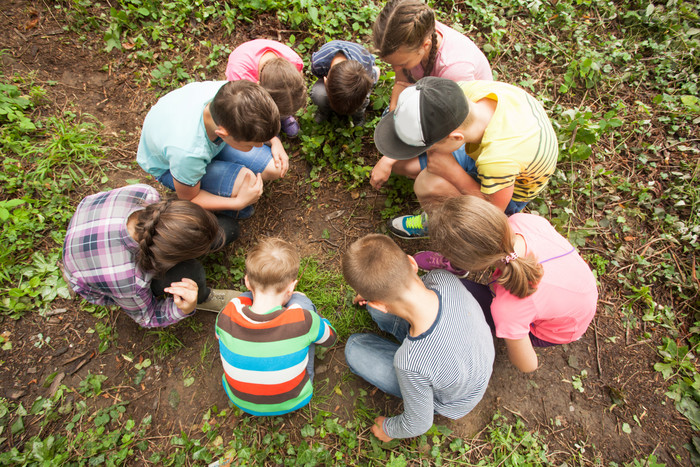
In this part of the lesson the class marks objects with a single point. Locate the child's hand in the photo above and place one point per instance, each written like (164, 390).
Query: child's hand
(381, 172)
(184, 294)
(378, 430)
(279, 155)
(358, 300)
(250, 190)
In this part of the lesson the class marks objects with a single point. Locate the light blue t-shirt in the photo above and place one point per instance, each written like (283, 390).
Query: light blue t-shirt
(173, 135)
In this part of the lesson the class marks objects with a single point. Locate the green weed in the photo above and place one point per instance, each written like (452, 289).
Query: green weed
(166, 342)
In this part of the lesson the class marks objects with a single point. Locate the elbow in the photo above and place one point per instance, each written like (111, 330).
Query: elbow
(527, 366)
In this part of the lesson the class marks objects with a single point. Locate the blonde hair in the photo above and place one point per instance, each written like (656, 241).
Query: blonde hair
(272, 263)
(474, 235)
(405, 23)
(377, 268)
(285, 84)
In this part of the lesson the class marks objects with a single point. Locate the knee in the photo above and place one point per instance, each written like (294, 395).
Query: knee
(428, 185)
(271, 172)
(245, 176)
(351, 350)
(355, 351)
(319, 96)
(303, 301)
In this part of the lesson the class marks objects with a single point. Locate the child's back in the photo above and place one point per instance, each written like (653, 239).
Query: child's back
(453, 360)
(267, 336)
(265, 357)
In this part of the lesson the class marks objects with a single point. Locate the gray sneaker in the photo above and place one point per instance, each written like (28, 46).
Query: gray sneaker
(217, 300)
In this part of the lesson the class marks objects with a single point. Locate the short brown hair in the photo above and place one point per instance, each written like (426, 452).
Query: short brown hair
(377, 268)
(285, 84)
(246, 111)
(272, 263)
(347, 86)
(475, 235)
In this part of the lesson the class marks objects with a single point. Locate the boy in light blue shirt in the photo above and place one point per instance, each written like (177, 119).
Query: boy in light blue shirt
(206, 141)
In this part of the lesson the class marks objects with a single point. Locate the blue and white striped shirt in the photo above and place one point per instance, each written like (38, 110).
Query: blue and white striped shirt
(321, 60)
(446, 369)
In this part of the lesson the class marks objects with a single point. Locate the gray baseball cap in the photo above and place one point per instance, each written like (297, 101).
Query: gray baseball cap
(425, 113)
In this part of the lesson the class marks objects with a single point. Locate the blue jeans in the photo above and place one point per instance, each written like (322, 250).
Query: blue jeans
(304, 302)
(372, 357)
(469, 166)
(223, 170)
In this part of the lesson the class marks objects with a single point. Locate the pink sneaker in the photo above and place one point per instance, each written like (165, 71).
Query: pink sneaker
(429, 260)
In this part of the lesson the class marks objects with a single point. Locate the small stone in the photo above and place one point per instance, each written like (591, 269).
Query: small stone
(31, 370)
(321, 369)
(573, 362)
(571, 408)
(174, 399)
(14, 395)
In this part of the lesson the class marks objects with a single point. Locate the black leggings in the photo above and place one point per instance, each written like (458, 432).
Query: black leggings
(191, 269)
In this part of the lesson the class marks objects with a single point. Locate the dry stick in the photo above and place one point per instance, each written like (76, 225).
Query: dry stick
(597, 347)
(680, 271)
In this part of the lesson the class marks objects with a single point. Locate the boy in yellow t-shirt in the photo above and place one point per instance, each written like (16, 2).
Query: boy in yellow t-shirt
(481, 138)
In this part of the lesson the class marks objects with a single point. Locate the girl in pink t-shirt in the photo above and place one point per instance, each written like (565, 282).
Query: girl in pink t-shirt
(407, 37)
(542, 292)
(410, 40)
(278, 69)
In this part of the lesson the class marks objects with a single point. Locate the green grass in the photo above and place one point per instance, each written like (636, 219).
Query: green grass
(45, 159)
(620, 85)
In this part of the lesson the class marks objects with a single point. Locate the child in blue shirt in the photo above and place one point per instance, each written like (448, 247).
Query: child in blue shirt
(346, 75)
(206, 141)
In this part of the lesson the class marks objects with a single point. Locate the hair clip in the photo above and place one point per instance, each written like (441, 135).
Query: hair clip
(511, 257)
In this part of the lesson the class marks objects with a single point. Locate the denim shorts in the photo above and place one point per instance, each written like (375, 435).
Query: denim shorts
(223, 170)
(469, 166)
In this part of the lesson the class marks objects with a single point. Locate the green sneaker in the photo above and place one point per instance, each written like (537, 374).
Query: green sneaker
(410, 227)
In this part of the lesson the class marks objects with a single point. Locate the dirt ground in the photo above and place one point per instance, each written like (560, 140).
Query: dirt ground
(587, 422)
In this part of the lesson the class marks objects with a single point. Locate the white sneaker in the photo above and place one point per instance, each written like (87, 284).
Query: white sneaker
(217, 300)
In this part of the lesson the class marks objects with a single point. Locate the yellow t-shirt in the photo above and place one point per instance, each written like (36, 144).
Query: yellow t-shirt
(519, 146)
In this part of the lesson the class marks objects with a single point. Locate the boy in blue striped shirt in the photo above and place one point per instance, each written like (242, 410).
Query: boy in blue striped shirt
(443, 361)
(346, 75)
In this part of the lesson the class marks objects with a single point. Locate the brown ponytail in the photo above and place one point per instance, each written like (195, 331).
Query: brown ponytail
(474, 235)
(169, 232)
(405, 23)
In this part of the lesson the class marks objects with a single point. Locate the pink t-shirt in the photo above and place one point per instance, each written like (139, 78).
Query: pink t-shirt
(457, 59)
(243, 61)
(565, 301)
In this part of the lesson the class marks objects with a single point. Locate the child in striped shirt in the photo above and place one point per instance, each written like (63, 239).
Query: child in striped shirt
(346, 75)
(443, 359)
(267, 336)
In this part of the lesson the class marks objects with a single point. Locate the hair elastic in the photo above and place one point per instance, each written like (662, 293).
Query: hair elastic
(511, 257)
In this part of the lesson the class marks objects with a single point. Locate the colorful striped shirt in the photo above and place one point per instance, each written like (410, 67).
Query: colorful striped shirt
(265, 356)
(99, 257)
(519, 147)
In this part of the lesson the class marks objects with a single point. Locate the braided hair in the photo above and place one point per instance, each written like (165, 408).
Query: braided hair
(474, 235)
(406, 23)
(172, 231)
